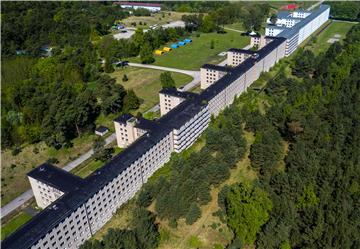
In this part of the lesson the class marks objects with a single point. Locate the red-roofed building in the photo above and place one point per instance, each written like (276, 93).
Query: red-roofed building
(153, 7)
(290, 7)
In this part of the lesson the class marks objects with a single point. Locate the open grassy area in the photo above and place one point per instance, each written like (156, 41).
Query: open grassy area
(236, 25)
(146, 83)
(14, 168)
(193, 55)
(13, 224)
(160, 18)
(335, 28)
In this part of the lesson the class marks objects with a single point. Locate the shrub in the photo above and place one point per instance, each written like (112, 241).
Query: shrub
(16, 150)
(52, 160)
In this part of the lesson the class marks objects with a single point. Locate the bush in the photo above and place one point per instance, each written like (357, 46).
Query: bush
(212, 44)
(52, 160)
(144, 198)
(36, 150)
(16, 150)
(125, 78)
(12, 166)
(173, 223)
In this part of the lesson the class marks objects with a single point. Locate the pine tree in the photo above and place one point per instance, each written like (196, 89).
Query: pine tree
(193, 214)
(166, 80)
(146, 54)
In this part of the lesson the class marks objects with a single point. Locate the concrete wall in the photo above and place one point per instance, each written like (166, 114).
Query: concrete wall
(168, 102)
(44, 194)
(209, 76)
(126, 133)
(186, 135)
(235, 58)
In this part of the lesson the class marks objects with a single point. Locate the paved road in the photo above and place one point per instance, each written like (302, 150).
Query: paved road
(26, 196)
(315, 4)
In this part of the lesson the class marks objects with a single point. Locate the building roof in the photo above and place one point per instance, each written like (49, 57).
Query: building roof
(102, 129)
(176, 93)
(243, 51)
(217, 67)
(56, 177)
(290, 32)
(139, 4)
(123, 118)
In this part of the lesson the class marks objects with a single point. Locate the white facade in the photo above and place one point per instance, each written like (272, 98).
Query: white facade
(44, 194)
(168, 102)
(148, 7)
(187, 134)
(127, 132)
(209, 76)
(297, 26)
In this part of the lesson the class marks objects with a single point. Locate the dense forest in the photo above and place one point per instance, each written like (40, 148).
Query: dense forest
(346, 10)
(311, 200)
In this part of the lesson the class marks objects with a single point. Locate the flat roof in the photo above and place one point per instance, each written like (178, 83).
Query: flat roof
(217, 67)
(56, 177)
(243, 51)
(176, 93)
(102, 129)
(290, 32)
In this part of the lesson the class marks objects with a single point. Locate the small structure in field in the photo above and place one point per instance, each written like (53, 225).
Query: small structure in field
(174, 46)
(101, 131)
(159, 52)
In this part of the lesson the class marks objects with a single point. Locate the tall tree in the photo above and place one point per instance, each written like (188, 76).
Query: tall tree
(247, 209)
(166, 80)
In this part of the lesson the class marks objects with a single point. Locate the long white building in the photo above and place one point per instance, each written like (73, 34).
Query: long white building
(297, 26)
(75, 208)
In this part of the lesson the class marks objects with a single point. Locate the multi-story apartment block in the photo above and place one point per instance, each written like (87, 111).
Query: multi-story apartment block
(80, 207)
(259, 41)
(170, 98)
(129, 128)
(236, 56)
(297, 26)
(211, 73)
(49, 183)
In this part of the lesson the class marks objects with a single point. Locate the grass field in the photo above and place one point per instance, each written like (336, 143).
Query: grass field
(193, 55)
(90, 165)
(14, 168)
(13, 224)
(236, 25)
(157, 18)
(146, 83)
(335, 28)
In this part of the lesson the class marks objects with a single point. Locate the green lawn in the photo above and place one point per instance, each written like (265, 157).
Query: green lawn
(334, 28)
(146, 83)
(13, 224)
(193, 55)
(236, 25)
